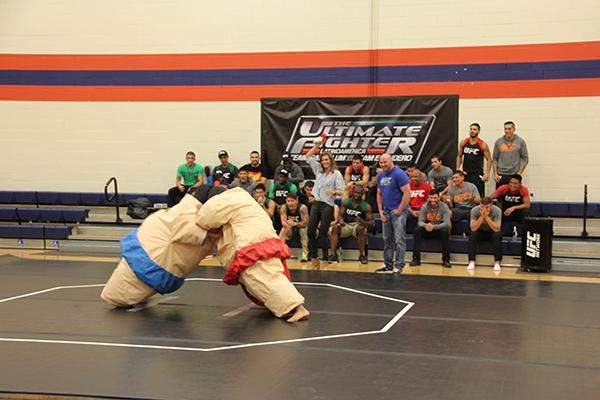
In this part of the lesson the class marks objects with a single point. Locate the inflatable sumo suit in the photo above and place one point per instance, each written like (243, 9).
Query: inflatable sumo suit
(251, 250)
(158, 256)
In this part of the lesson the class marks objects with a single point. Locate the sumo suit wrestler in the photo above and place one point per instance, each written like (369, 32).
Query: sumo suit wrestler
(252, 253)
(158, 255)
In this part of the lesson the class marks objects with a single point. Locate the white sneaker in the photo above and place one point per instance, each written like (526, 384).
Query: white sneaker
(497, 266)
(471, 266)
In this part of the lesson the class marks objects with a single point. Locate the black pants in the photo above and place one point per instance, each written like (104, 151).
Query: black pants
(442, 234)
(504, 181)
(460, 213)
(323, 213)
(477, 181)
(515, 216)
(477, 236)
(175, 195)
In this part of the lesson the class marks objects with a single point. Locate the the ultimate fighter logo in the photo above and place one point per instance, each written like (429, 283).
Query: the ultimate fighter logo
(402, 136)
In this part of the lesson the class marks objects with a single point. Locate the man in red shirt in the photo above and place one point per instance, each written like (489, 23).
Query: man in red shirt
(419, 193)
(514, 198)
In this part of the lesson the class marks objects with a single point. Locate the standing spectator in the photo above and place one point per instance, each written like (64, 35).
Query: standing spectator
(189, 175)
(256, 170)
(462, 197)
(471, 154)
(439, 176)
(260, 195)
(372, 193)
(434, 221)
(355, 219)
(510, 155)
(329, 184)
(244, 181)
(305, 195)
(356, 174)
(296, 175)
(393, 195)
(486, 224)
(294, 220)
(229, 170)
(515, 200)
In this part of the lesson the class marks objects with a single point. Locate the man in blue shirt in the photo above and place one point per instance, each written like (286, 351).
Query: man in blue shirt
(393, 195)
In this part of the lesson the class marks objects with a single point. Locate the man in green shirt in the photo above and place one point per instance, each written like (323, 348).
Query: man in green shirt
(189, 175)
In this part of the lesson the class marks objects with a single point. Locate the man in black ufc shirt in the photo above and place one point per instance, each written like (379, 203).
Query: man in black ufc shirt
(471, 155)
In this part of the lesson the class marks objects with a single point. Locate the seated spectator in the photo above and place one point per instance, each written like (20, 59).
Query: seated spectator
(434, 221)
(295, 173)
(419, 193)
(260, 195)
(356, 174)
(244, 181)
(486, 224)
(278, 193)
(515, 200)
(305, 195)
(256, 170)
(189, 175)
(294, 220)
(413, 167)
(355, 218)
(228, 170)
(218, 179)
(462, 197)
(439, 176)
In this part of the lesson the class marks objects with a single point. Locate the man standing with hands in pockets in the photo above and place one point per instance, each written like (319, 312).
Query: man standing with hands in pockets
(393, 195)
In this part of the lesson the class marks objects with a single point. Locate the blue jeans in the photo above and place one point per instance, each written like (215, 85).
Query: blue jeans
(394, 238)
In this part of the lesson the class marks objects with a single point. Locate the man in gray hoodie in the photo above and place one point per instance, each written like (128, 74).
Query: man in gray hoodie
(510, 155)
(434, 221)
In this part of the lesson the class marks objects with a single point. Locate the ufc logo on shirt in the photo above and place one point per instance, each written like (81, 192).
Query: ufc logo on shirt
(354, 213)
(512, 199)
(417, 193)
(471, 150)
(281, 193)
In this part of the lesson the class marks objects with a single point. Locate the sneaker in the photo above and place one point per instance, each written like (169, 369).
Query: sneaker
(363, 259)
(471, 266)
(304, 256)
(446, 264)
(386, 270)
(332, 259)
(415, 262)
(497, 266)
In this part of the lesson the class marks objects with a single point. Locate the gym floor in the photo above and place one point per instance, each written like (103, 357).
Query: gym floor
(430, 333)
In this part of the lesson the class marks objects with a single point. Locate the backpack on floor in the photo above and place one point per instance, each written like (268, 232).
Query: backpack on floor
(139, 208)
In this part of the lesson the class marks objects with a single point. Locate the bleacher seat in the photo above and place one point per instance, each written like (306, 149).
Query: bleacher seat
(34, 214)
(56, 232)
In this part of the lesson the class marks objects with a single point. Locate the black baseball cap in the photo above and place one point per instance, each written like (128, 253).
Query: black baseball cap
(283, 172)
(223, 153)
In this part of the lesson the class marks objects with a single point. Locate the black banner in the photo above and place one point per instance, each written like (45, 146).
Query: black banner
(411, 129)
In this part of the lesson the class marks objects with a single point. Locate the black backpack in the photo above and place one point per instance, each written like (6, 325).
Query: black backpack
(139, 208)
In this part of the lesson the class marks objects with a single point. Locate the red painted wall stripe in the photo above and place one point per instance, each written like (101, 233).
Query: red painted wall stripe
(466, 90)
(309, 59)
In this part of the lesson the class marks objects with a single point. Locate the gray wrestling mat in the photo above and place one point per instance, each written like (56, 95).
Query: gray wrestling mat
(463, 338)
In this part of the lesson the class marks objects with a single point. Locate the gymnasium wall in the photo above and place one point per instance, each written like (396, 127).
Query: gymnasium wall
(90, 90)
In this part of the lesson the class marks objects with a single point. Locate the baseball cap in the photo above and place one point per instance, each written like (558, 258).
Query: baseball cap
(283, 172)
(223, 153)
(285, 157)
(218, 172)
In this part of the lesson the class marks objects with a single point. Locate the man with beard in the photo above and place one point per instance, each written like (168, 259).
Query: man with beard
(471, 154)
(434, 221)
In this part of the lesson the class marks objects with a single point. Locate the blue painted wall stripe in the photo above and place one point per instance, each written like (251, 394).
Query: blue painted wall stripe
(299, 76)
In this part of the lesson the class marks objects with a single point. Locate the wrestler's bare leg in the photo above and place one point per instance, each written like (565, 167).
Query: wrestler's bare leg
(300, 313)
